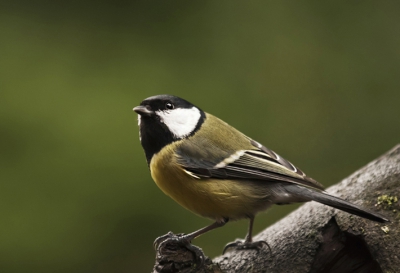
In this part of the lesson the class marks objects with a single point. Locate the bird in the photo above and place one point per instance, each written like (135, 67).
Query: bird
(217, 172)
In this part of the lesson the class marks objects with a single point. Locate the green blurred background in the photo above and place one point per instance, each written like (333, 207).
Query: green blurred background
(318, 83)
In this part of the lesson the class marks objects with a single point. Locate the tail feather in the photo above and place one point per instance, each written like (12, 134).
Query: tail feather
(336, 202)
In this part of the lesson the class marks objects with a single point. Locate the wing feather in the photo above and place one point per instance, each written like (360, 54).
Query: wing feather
(258, 163)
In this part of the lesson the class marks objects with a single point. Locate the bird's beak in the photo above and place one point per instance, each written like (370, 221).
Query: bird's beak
(143, 111)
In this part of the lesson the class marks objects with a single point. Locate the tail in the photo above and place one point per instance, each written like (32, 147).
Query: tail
(326, 199)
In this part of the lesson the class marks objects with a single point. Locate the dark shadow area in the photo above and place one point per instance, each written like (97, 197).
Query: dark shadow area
(343, 252)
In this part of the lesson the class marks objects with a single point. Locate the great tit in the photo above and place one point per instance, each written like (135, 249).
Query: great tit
(215, 171)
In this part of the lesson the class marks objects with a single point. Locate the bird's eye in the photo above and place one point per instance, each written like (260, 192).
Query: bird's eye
(169, 106)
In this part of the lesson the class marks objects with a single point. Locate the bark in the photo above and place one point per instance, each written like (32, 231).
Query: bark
(317, 238)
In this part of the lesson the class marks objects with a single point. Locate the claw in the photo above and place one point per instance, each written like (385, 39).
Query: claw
(182, 240)
(161, 239)
(240, 245)
(229, 245)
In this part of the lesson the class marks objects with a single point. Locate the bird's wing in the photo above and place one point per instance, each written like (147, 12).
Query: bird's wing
(259, 163)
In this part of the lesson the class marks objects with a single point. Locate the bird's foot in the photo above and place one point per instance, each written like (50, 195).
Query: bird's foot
(162, 238)
(177, 242)
(240, 245)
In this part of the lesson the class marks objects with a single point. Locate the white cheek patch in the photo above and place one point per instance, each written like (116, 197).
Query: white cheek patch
(181, 121)
(139, 119)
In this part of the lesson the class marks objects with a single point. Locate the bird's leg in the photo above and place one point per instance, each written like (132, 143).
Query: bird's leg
(185, 239)
(248, 241)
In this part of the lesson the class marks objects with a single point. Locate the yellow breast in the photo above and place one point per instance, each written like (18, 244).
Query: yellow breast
(209, 198)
